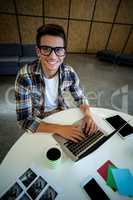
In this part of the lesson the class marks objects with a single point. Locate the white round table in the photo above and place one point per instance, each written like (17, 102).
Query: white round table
(30, 148)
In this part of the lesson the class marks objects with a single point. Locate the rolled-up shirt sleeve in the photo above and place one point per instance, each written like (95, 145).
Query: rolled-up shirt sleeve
(24, 106)
(76, 90)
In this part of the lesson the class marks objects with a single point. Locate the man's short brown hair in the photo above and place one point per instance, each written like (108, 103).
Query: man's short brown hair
(50, 29)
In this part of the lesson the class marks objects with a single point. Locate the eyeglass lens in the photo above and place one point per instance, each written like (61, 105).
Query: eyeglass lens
(47, 50)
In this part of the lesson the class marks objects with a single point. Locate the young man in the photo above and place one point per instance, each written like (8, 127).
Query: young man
(39, 87)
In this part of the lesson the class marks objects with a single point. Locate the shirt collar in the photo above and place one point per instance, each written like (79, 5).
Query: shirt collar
(39, 70)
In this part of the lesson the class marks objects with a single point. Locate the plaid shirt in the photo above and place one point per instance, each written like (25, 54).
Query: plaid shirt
(30, 93)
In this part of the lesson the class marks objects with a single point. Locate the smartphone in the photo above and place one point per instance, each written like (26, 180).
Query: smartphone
(93, 189)
(117, 122)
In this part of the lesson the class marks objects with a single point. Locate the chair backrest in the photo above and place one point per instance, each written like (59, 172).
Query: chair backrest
(7, 50)
(28, 50)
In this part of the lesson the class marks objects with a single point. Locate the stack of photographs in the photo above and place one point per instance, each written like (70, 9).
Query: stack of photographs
(30, 186)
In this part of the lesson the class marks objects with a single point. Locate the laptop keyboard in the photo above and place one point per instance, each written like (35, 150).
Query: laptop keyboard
(80, 147)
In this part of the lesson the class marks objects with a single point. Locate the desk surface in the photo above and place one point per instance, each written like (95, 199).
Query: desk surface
(30, 148)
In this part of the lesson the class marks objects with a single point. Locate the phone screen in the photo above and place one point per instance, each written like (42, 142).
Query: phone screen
(117, 122)
(126, 130)
(95, 191)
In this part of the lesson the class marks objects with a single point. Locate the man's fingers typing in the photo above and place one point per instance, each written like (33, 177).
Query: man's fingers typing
(76, 138)
(92, 128)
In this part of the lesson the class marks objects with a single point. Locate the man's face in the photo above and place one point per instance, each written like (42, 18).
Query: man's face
(51, 60)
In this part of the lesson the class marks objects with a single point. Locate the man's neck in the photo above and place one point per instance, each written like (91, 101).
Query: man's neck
(49, 74)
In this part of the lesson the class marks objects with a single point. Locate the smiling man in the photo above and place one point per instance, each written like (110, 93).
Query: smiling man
(40, 85)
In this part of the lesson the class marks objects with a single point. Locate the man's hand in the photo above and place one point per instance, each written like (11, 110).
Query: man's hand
(71, 132)
(88, 125)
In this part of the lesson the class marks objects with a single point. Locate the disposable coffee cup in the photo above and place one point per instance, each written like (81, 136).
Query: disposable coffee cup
(53, 156)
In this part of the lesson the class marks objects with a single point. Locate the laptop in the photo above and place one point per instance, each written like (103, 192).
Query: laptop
(77, 151)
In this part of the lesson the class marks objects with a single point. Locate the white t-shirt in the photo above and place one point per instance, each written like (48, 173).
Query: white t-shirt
(51, 93)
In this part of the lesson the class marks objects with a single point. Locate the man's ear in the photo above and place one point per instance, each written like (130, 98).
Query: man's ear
(38, 52)
(65, 56)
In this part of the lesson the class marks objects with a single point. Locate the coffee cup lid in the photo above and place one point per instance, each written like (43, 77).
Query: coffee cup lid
(53, 153)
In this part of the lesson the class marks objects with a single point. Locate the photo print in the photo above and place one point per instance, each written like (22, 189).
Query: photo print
(28, 177)
(12, 193)
(37, 187)
(50, 194)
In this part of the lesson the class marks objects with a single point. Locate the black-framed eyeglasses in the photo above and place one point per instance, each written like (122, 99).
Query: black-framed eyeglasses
(47, 50)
